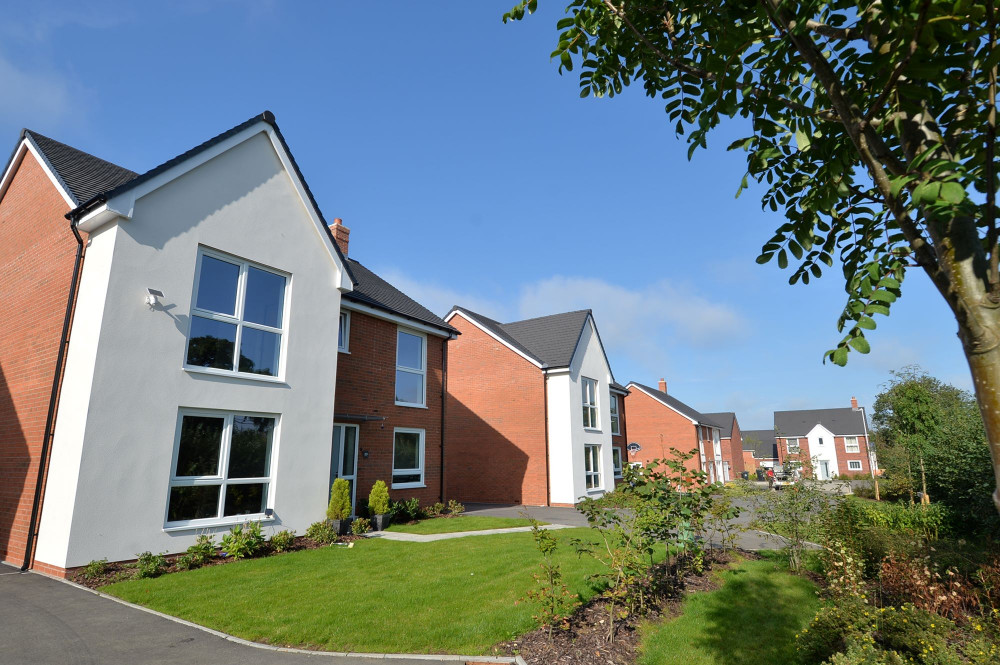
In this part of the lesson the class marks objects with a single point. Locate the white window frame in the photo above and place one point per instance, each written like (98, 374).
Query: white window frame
(421, 372)
(797, 446)
(420, 459)
(590, 408)
(852, 462)
(615, 416)
(344, 340)
(848, 445)
(616, 460)
(237, 317)
(220, 477)
(592, 453)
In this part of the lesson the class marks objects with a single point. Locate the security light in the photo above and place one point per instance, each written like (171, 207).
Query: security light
(152, 295)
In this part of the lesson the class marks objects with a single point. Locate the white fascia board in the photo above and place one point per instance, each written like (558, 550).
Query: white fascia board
(23, 148)
(632, 385)
(100, 216)
(557, 371)
(394, 318)
(489, 332)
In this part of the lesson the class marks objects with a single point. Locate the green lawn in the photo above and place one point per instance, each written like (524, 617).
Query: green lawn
(454, 596)
(455, 524)
(751, 620)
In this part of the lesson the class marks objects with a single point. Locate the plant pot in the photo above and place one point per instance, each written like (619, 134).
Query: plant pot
(380, 522)
(342, 527)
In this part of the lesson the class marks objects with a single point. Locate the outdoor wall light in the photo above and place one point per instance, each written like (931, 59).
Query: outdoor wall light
(151, 297)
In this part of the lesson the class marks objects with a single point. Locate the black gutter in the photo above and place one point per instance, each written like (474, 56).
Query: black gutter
(545, 406)
(53, 398)
(444, 403)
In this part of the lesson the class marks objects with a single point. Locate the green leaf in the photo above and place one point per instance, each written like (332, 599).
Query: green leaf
(952, 192)
(860, 344)
(866, 322)
(764, 258)
(839, 357)
(782, 259)
(802, 140)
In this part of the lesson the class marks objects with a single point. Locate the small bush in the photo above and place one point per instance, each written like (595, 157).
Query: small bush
(340, 500)
(96, 568)
(150, 565)
(322, 532)
(917, 582)
(185, 562)
(378, 499)
(926, 521)
(243, 540)
(361, 526)
(407, 511)
(832, 629)
(455, 508)
(203, 549)
(436, 510)
(283, 540)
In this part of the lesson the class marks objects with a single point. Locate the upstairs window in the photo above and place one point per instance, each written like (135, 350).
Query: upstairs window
(851, 444)
(344, 331)
(589, 387)
(614, 415)
(411, 368)
(792, 445)
(237, 305)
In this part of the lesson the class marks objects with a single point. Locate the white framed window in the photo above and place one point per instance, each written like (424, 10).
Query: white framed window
(221, 470)
(592, 465)
(344, 331)
(635, 465)
(792, 446)
(615, 425)
(854, 465)
(589, 387)
(411, 368)
(616, 460)
(407, 458)
(237, 305)
(851, 444)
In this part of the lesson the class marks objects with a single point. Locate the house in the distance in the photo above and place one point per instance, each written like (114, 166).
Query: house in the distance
(760, 449)
(827, 442)
(532, 411)
(732, 441)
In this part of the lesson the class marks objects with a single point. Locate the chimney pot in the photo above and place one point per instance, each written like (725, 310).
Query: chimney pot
(854, 403)
(663, 386)
(341, 234)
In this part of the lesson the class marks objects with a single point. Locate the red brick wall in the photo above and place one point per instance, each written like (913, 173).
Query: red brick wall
(366, 385)
(734, 453)
(749, 462)
(36, 265)
(658, 429)
(495, 422)
(620, 440)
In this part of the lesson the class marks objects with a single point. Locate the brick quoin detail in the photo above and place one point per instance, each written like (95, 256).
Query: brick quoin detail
(36, 265)
(657, 429)
(495, 448)
(366, 385)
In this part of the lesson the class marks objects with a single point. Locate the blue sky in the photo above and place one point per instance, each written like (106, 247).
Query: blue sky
(471, 173)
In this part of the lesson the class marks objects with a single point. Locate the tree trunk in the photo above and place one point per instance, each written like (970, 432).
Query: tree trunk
(985, 367)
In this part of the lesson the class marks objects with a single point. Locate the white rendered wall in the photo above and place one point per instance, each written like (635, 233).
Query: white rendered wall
(827, 452)
(243, 203)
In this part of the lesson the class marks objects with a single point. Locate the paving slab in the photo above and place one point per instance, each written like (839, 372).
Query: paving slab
(431, 537)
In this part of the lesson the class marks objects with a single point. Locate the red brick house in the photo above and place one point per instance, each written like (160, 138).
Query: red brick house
(760, 449)
(619, 429)
(659, 421)
(732, 441)
(829, 442)
(391, 373)
(534, 415)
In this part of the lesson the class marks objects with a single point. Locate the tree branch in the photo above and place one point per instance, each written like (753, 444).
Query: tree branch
(898, 69)
(839, 34)
(991, 188)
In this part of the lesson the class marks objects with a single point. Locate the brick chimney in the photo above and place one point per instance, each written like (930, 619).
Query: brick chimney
(854, 403)
(663, 386)
(341, 234)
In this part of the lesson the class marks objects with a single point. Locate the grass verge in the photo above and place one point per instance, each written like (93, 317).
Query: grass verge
(456, 524)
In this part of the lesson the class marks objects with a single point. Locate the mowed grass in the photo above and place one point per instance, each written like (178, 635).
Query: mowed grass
(751, 620)
(461, 523)
(450, 596)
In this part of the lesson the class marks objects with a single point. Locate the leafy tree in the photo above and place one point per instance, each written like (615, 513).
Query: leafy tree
(873, 130)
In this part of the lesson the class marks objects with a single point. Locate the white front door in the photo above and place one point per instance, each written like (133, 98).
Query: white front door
(824, 470)
(344, 460)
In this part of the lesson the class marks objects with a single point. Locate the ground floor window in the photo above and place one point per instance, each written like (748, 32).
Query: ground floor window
(221, 466)
(616, 460)
(854, 465)
(407, 458)
(592, 465)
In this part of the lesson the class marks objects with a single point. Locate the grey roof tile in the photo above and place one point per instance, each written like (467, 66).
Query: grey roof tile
(761, 442)
(83, 175)
(725, 421)
(549, 340)
(677, 405)
(839, 421)
(372, 290)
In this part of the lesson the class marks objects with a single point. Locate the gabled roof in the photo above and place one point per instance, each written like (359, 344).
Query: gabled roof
(82, 175)
(548, 340)
(619, 387)
(838, 421)
(675, 404)
(761, 442)
(725, 421)
(372, 290)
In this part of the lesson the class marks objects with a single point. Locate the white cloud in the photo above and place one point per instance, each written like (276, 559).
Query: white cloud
(34, 98)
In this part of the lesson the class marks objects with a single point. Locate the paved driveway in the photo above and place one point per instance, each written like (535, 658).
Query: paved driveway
(45, 621)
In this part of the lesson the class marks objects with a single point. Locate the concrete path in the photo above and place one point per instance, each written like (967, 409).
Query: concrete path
(552, 515)
(431, 537)
(44, 621)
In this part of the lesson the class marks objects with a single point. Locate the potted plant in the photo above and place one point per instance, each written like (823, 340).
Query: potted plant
(339, 510)
(378, 505)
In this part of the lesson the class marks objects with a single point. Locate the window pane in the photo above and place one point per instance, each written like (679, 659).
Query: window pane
(217, 285)
(410, 351)
(342, 332)
(265, 297)
(259, 351)
(408, 478)
(211, 344)
(193, 503)
(251, 447)
(198, 452)
(409, 387)
(350, 449)
(245, 499)
(406, 451)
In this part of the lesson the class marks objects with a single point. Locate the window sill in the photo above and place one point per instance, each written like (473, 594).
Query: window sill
(344, 351)
(596, 490)
(412, 406)
(407, 486)
(591, 430)
(225, 521)
(260, 378)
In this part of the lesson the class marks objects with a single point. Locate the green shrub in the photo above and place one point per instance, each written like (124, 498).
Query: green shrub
(436, 510)
(455, 508)
(243, 540)
(831, 630)
(406, 511)
(926, 521)
(322, 532)
(203, 550)
(378, 499)
(96, 568)
(340, 500)
(283, 540)
(150, 565)
(361, 526)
